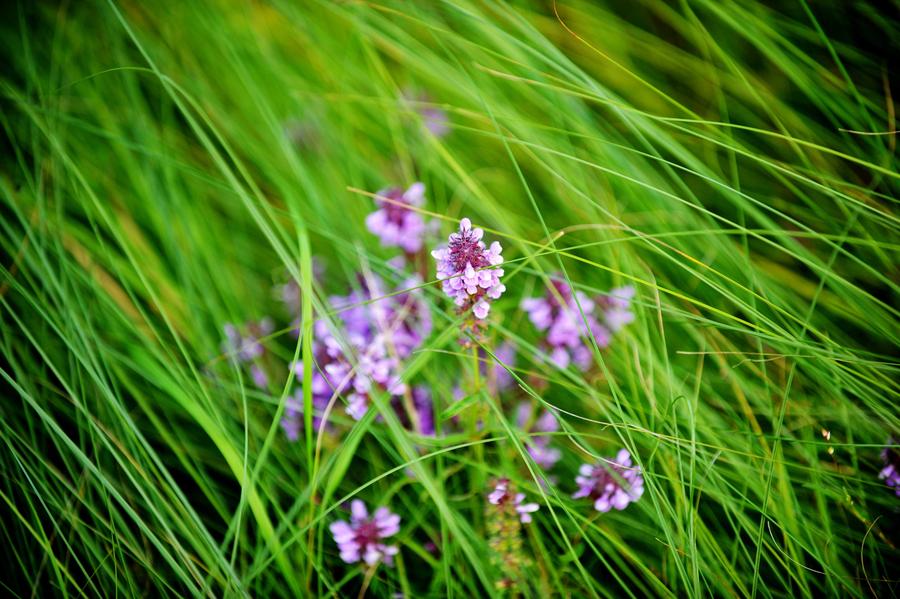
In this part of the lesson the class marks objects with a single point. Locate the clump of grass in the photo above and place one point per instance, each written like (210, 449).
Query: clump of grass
(168, 165)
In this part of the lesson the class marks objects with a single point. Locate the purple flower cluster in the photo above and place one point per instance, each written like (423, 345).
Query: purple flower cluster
(465, 268)
(502, 496)
(292, 418)
(616, 308)
(395, 222)
(610, 483)
(379, 331)
(568, 332)
(363, 537)
(539, 446)
(422, 411)
(247, 347)
(891, 471)
(505, 355)
(435, 119)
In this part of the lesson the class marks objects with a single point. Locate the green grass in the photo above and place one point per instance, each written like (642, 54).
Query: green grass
(731, 161)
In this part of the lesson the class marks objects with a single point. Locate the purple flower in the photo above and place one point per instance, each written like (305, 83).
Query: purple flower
(610, 483)
(399, 321)
(891, 471)
(395, 222)
(568, 332)
(502, 496)
(379, 330)
(558, 314)
(247, 346)
(362, 538)
(539, 447)
(292, 418)
(289, 292)
(435, 120)
(259, 376)
(465, 269)
(616, 308)
(424, 411)
(504, 355)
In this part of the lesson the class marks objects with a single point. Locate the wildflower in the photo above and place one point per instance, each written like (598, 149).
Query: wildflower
(406, 317)
(891, 471)
(363, 537)
(395, 222)
(505, 513)
(464, 267)
(424, 411)
(504, 356)
(539, 447)
(501, 496)
(610, 483)
(292, 418)
(380, 330)
(616, 308)
(259, 376)
(289, 292)
(247, 347)
(435, 119)
(569, 328)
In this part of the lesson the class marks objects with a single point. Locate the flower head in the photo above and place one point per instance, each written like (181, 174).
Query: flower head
(570, 319)
(465, 268)
(380, 330)
(559, 315)
(891, 471)
(363, 537)
(423, 411)
(292, 418)
(395, 222)
(539, 446)
(610, 483)
(616, 308)
(435, 119)
(496, 368)
(246, 346)
(503, 497)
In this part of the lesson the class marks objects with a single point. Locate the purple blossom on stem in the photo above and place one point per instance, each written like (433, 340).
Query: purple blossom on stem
(363, 537)
(891, 471)
(247, 346)
(504, 356)
(568, 332)
(379, 330)
(539, 446)
(503, 496)
(610, 483)
(435, 119)
(423, 407)
(616, 308)
(292, 419)
(395, 222)
(289, 292)
(465, 270)
(259, 376)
